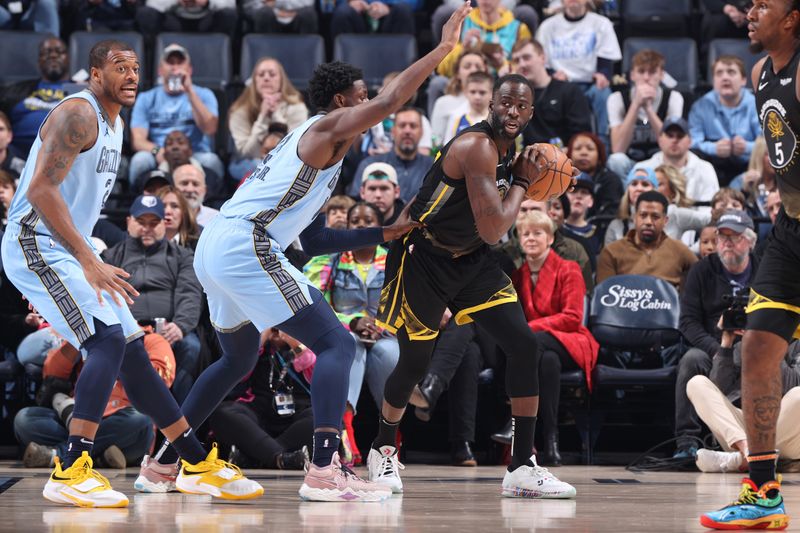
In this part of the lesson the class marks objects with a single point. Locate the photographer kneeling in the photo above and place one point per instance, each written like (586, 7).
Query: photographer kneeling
(711, 288)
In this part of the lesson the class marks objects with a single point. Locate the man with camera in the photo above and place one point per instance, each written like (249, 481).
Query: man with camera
(715, 286)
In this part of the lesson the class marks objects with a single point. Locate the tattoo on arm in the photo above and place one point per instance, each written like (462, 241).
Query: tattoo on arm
(55, 234)
(65, 141)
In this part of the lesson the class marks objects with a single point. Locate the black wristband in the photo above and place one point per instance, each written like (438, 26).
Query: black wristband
(725, 352)
(519, 182)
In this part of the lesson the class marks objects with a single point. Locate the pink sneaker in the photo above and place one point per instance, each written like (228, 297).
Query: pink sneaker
(155, 477)
(337, 483)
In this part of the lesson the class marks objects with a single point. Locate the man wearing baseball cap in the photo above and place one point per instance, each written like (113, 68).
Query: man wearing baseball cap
(674, 141)
(162, 272)
(175, 104)
(729, 270)
(379, 186)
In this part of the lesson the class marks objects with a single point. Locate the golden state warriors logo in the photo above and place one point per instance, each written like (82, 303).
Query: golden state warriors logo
(781, 140)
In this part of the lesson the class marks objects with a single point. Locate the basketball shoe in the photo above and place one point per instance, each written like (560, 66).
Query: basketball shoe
(535, 482)
(384, 467)
(337, 483)
(752, 510)
(81, 485)
(216, 477)
(155, 477)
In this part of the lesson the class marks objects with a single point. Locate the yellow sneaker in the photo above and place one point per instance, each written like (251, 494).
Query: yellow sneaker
(82, 486)
(216, 477)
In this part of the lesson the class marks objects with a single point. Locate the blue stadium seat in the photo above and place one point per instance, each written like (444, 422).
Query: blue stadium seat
(656, 18)
(19, 59)
(299, 54)
(210, 54)
(376, 55)
(734, 47)
(81, 42)
(680, 55)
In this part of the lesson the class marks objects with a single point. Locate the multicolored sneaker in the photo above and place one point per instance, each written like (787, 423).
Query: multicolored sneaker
(535, 482)
(155, 477)
(216, 477)
(384, 467)
(81, 485)
(752, 510)
(337, 483)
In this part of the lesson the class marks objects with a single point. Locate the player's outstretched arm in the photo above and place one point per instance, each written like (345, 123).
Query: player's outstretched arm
(71, 128)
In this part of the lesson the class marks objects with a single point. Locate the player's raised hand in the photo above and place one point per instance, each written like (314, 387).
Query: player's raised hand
(402, 225)
(103, 277)
(451, 31)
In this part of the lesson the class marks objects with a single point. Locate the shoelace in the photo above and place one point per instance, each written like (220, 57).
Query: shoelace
(746, 495)
(349, 473)
(219, 464)
(85, 472)
(387, 466)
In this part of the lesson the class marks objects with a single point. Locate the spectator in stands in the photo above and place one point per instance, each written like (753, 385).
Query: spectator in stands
(18, 321)
(8, 187)
(442, 107)
(155, 180)
(179, 223)
(163, 274)
(40, 16)
(636, 115)
(191, 182)
(759, 180)
(478, 91)
(104, 15)
(638, 181)
(373, 16)
(408, 164)
(562, 110)
(717, 400)
(125, 435)
(336, 211)
(524, 13)
(379, 187)
(199, 16)
(493, 30)
(729, 271)
(682, 220)
(724, 19)
(351, 282)
(774, 205)
(707, 243)
(724, 199)
(581, 199)
(724, 123)
(27, 103)
(581, 47)
(176, 104)
(588, 154)
(267, 430)
(286, 16)
(10, 159)
(269, 98)
(551, 291)
(178, 152)
(674, 141)
(646, 249)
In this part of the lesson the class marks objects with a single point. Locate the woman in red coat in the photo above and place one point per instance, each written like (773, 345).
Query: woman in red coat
(551, 291)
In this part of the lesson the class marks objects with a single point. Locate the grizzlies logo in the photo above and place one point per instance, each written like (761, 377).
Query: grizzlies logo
(781, 140)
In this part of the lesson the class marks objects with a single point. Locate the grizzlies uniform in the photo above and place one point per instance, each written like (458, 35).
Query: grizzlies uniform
(776, 288)
(48, 275)
(445, 264)
(240, 256)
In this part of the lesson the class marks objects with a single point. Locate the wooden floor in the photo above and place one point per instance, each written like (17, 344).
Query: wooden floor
(436, 498)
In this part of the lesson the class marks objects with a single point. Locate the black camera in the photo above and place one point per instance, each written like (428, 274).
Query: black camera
(734, 317)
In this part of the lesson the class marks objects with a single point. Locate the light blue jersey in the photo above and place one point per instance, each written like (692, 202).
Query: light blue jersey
(88, 182)
(284, 194)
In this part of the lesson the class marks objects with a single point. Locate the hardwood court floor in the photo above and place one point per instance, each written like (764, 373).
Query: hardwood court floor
(437, 498)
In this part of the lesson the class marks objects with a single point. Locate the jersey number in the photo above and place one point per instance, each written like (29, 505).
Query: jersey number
(261, 172)
(779, 153)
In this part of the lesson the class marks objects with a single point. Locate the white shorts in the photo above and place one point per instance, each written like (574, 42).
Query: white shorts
(54, 283)
(246, 276)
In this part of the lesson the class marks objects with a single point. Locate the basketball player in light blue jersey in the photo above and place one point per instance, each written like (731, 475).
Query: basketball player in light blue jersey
(49, 257)
(250, 284)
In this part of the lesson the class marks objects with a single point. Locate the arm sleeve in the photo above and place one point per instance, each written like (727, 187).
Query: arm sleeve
(605, 67)
(317, 239)
(697, 118)
(569, 318)
(692, 313)
(724, 373)
(209, 100)
(616, 109)
(675, 104)
(607, 43)
(188, 294)
(578, 113)
(246, 136)
(139, 112)
(605, 266)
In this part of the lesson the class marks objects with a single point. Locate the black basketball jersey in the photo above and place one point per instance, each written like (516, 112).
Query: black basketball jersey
(779, 113)
(443, 205)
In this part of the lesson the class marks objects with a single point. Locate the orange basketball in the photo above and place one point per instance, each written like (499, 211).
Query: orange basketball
(555, 178)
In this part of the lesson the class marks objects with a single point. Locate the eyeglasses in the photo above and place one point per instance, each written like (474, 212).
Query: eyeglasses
(733, 239)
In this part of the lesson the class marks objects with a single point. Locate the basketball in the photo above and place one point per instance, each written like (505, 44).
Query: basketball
(555, 179)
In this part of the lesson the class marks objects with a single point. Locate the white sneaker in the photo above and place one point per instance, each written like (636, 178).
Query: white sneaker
(384, 467)
(535, 482)
(216, 477)
(81, 485)
(714, 461)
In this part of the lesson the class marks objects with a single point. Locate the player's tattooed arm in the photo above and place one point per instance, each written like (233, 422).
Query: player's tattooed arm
(70, 128)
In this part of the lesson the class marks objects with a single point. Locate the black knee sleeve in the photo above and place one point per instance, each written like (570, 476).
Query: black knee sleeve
(522, 367)
(105, 350)
(415, 358)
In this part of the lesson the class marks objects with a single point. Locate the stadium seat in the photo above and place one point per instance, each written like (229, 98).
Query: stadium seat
(376, 55)
(81, 42)
(299, 54)
(734, 47)
(20, 57)
(656, 18)
(680, 55)
(210, 54)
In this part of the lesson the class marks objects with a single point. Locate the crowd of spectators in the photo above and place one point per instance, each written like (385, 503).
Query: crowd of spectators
(674, 185)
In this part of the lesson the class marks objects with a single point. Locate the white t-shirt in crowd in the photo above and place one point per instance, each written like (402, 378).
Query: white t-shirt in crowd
(701, 178)
(574, 47)
(443, 110)
(206, 215)
(616, 107)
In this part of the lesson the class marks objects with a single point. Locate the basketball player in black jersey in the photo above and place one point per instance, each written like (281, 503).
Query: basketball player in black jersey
(470, 197)
(774, 309)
